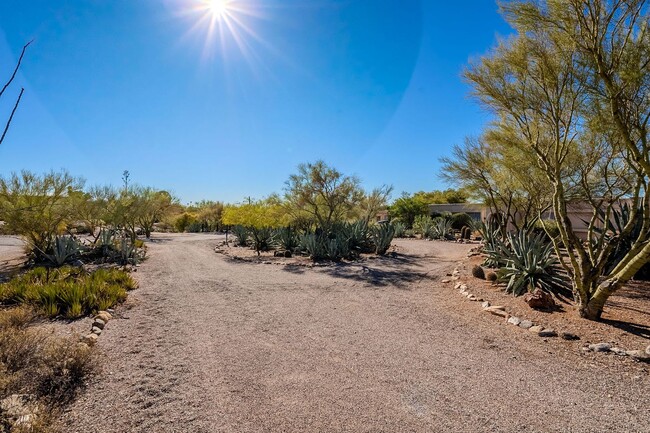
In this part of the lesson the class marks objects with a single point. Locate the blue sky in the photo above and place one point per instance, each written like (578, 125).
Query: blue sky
(372, 87)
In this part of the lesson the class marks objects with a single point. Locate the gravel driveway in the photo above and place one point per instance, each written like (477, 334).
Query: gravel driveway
(212, 344)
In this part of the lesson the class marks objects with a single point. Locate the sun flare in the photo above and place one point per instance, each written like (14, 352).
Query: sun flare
(218, 8)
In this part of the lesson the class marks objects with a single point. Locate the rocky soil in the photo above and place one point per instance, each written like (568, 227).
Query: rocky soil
(212, 344)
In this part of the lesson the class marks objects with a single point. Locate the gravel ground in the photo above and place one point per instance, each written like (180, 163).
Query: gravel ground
(210, 344)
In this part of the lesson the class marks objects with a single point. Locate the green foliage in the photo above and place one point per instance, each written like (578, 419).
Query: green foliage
(313, 245)
(64, 248)
(241, 234)
(442, 197)
(382, 236)
(460, 220)
(67, 291)
(529, 263)
(492, 236)
(287, 238)
(423, 225)
(184, 221)
(408, 208)
(440, 229)
(400, 229)
(38, 207)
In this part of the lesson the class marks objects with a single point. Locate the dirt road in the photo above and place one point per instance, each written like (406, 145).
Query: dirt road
(216, 345)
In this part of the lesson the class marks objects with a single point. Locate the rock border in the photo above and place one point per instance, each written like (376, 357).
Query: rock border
(100, 320)
(539, 330)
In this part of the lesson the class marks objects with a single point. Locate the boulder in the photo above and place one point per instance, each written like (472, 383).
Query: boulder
(536, 329)
(99, 323)
(513, 320)
(539, 300)
(639, 355)
(96, 330)
(618, 351)
(569, 336)
(526, 324)
(497, 310)
(104, 315)
(600, 347)
(89, 339)
(548, 332)
(485, 304)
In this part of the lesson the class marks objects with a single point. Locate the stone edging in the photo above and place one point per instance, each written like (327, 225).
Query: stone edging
(99, 322)
(539, 330)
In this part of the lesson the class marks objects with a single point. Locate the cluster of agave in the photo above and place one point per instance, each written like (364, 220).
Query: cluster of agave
(526, 260)
(109, 245)
(341, 241)
(433, 228)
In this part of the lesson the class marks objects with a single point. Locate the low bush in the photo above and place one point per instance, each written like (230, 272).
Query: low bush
(241, 234)
(44, 369)
(67, 291)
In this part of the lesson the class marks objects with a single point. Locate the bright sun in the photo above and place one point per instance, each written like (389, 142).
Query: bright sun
(218, 8)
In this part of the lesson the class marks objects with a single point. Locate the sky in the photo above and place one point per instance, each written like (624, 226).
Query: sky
(223, 101)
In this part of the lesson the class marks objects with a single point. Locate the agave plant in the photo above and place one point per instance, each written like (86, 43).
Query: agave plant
(63, 249)
(400, 229)
(241, 233)
(440, 229)
(492, 243)
(382, 236)
(287, 238)
(423, 225)
(356, 235)
(313, 245)
(530, 262)
(336, 249)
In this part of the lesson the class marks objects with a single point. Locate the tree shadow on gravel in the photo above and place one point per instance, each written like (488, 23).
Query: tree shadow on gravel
(397, 270)
(632, 328)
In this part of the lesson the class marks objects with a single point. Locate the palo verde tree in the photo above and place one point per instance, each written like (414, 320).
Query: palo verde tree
(571, 87)
(322, 195)
(259, 218)
(38, 207)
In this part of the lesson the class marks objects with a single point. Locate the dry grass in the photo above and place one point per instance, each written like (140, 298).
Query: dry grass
(33, 361)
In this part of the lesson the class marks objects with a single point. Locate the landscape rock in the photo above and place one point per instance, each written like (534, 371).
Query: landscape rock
(618, 351)
(513, 320)
(647, 350)
(569, 336)
(600, 347)
(536, 329)
(639, 355)
(485, 304)
(548, 332)
(457, 286)
(539, 300)
(89, 339)
(446, 280)
(496, 310)
(104, 315)
(95, 330)
(472, 297)
(99, 323)
(526, 324)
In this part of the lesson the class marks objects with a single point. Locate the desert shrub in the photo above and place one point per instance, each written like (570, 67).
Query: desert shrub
(478, 272)
(460, 220)
(409, 233)
(195, 227)
(382, 236)
(39, 364)
(184, 221)
(287, 238)
(530, 262)
(241, 234)
(67, 291)
(439, 229)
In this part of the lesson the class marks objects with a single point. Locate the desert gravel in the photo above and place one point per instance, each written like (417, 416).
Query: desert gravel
(209, 344)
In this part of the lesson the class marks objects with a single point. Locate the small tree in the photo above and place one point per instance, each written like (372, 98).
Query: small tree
(323, 194)
(259, 218)
(407, 208)
(38, 207)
